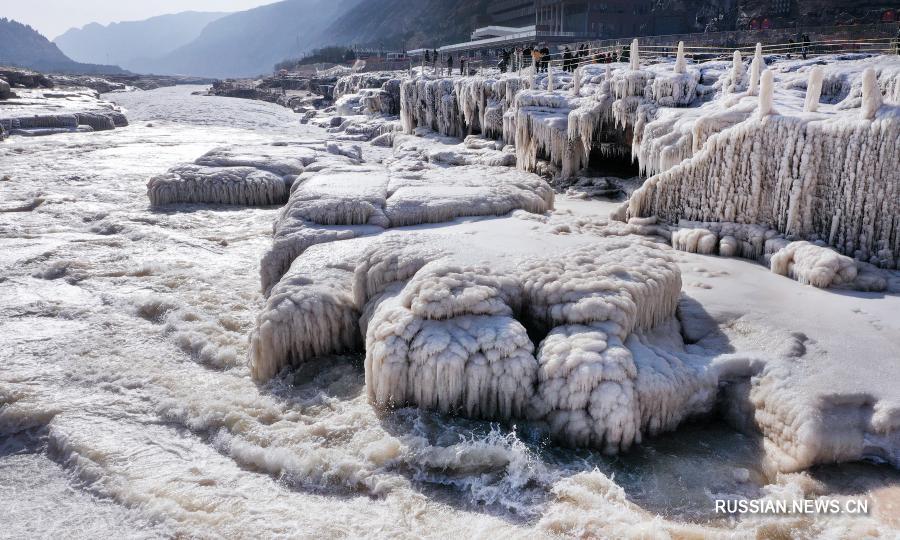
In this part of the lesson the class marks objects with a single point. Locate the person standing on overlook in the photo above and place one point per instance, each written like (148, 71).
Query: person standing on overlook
(536, 59)
(545, 58)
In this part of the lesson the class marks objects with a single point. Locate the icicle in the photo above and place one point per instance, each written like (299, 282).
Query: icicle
(576, 82)
(635, 56)
(550, 77)
(753, 89)
(608, 74)
(813, 89)
(737, 68)
(758, 53)
(680, 63)
(871, 94)
(766, 93)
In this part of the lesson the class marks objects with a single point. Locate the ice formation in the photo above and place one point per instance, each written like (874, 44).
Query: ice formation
(244, 186)
(768, 170)
(635, 55)
(258, 175)
(738, 74)
(755, 68)
(766, 93)
(447, 323)
(871, 94)
(679, 121)
(365, 196)
(46, 112)
(813, 90)
(581, 335)
(808, 263)
(310, 313)
(680, 62)
(814, 265)
(411, 152)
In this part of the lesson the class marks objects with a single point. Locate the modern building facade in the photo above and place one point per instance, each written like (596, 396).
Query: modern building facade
(594, 18)
(606, 19)
(557, 22)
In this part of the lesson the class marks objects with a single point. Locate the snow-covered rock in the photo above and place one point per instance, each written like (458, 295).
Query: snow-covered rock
(46, 112)
(447, 318)
(243, 186)
(833, 179)
(257, 175)
(357, 197)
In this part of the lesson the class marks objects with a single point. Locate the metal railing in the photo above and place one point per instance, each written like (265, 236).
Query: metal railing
(610, 53)
(729, 40)
(618, 50)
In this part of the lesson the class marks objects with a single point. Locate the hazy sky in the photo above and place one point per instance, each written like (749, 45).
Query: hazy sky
(53, 17)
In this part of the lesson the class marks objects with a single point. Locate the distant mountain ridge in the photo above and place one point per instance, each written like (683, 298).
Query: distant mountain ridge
(251, 42)
(23, 46)
(134, 44)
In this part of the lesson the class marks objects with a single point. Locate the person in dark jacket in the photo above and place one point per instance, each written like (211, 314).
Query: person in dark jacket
(449, 65)
(567, 59)
(545, 58)
(462, 64)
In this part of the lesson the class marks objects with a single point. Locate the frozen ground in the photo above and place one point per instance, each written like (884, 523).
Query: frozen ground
(129, 408)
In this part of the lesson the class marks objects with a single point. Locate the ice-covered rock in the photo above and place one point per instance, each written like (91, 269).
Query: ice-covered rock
(255, 175)
(310, 313)
(412, 152)
(814, 265)
(282, 159)
(46, 112)
(372, 196)
(447, 319)
(833, 179)
(244, 186)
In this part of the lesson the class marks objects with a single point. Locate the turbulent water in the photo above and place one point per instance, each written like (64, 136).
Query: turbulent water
(127, 410)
